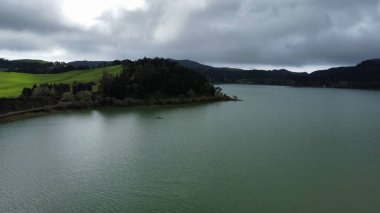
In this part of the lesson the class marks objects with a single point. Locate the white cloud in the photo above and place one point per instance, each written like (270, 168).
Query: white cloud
(86, 12)
(52, 54)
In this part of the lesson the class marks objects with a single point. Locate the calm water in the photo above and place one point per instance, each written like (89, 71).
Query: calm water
(280, 150)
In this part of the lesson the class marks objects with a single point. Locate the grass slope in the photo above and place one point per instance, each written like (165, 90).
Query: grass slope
(11, 84)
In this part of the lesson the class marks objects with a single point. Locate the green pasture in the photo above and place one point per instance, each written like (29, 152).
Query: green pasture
(11, 83)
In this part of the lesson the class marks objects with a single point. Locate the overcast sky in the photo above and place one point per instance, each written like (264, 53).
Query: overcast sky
(297, 34)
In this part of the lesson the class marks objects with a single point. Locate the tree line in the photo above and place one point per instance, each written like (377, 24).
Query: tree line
(44, 67)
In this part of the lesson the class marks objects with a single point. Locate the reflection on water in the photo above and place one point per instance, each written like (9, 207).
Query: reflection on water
(282, 149)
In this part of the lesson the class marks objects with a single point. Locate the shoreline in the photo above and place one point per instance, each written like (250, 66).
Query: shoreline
(23, 114)
(300, 86)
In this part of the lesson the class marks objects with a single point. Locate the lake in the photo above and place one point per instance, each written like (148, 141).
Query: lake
(281, 149)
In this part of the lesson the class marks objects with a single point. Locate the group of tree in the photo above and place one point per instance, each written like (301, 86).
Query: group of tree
(79, 86)
(56, 90)
(155, 78)
(46, 90)
(44, 67)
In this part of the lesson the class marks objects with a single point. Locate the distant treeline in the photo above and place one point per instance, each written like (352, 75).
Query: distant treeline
(365, 75)
(44, 67)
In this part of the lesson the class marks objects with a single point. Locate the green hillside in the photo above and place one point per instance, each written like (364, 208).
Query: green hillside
(11, 84)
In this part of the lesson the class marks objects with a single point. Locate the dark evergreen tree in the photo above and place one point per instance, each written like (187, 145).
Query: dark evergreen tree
(155, 78)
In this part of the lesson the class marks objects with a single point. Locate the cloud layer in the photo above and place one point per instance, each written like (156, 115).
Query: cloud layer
(275, 32)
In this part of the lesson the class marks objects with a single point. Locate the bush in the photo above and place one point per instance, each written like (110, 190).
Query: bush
(67, 97)
(85, 96)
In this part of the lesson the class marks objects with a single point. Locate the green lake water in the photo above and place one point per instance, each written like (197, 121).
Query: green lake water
(282, 149)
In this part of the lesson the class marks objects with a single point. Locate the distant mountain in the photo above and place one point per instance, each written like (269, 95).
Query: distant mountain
(90, 64)
(373, 63)
(201, 67)
(365, 75)
(195, 65)
(233, 75)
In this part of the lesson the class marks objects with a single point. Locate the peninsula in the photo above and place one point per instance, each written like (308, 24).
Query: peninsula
(144, 82)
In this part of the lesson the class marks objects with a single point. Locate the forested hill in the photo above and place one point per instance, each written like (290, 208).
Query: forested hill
(233, 75)
(365, 75)
(366, 71)
(155, 78)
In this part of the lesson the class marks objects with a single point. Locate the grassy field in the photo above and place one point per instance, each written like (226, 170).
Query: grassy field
(11, 84)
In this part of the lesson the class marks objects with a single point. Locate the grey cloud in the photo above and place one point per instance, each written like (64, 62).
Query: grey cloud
(277, 32)
(293, 34)
(26, 41)
(25, 15)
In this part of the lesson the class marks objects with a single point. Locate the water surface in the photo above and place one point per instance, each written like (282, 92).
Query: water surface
(282, 149)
